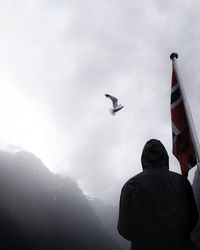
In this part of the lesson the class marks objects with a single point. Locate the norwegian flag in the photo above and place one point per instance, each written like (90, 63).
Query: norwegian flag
(183, 148)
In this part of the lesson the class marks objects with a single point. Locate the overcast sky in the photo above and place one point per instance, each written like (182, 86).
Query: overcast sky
(58, 58)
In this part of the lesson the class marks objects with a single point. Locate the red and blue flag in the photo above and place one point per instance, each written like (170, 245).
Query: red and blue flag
(183, 148)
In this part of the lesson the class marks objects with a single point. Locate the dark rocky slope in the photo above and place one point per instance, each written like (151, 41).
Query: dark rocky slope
(40, 210)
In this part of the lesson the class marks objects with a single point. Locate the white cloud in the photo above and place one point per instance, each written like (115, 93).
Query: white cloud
(63, 56)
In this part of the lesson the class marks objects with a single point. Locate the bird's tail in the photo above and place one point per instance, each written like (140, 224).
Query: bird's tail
(111, 112)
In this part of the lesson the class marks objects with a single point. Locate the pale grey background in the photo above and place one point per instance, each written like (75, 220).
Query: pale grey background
(58, 58)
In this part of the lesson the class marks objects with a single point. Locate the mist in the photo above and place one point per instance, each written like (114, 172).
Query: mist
(41, 210)
(57, 61)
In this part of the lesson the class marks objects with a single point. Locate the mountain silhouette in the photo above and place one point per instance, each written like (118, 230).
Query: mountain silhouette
(40, 210)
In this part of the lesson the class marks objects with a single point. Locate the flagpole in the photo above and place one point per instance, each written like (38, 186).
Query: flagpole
(192, 129)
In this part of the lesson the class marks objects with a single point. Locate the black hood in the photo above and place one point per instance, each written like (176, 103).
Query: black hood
(154, 155)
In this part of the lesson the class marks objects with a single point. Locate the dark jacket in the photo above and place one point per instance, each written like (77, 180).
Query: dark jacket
(157, 206)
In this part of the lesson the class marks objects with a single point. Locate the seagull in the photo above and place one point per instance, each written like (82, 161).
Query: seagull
(116, 106)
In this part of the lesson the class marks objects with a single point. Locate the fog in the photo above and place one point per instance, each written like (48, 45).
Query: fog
(57, 61)
(41, 210)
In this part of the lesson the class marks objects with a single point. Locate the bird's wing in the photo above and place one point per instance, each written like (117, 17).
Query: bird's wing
(113, 99)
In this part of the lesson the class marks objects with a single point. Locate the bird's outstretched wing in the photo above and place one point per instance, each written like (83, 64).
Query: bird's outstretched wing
(113, 99)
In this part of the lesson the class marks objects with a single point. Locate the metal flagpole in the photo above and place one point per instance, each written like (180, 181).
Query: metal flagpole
(192, 129)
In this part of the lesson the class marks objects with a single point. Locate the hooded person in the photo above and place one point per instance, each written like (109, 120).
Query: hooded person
(157, 207)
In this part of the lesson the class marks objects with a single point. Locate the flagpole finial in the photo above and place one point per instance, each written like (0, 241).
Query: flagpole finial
(173, 55)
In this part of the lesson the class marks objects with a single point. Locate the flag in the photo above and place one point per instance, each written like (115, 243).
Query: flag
(183, 147)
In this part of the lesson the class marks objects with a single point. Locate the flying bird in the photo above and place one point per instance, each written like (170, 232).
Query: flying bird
(116, 106)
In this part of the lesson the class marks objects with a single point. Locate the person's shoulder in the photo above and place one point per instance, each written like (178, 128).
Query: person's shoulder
(135, 178)
(178, 177)
(133, 181)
